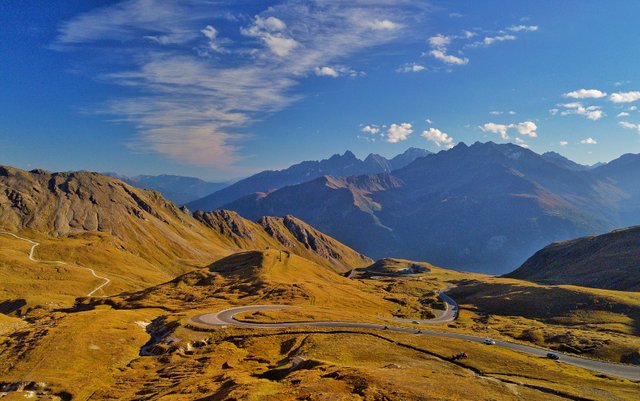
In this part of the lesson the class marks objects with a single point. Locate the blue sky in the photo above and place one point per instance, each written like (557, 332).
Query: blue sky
(222, 89)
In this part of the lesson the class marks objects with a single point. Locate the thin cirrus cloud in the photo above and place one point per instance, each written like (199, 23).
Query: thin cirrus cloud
(441, 45)
(200, 76)
(628, 125)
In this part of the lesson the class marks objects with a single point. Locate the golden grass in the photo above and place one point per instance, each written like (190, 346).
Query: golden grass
(76, 352)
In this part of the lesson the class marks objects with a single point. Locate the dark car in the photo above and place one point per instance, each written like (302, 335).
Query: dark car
(553, 355)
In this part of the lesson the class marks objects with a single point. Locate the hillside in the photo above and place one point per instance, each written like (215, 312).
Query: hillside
(337, 165)
(135, 238)
(287, 233)
(484, 207)
(609, 261)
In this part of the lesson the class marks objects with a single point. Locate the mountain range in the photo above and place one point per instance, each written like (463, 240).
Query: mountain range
(337, 166)
(178, 189)
(484, 207)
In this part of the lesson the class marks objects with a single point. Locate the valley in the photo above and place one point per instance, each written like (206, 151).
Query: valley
(297, 307)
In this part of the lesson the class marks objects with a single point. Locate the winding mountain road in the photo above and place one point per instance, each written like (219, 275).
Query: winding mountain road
(35, 244)
(226, 318)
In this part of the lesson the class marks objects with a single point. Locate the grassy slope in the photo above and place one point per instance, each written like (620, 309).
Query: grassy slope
(93, 354)
(598, 323)
(603, 261)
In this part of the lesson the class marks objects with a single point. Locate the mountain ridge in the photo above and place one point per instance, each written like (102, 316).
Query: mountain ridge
(337, 165)
(472, 207)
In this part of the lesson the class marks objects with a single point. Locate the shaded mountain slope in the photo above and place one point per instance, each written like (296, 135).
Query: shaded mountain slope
(175, 188)
(484, 207)
(624, 173)
(610, 261)
(337, 165)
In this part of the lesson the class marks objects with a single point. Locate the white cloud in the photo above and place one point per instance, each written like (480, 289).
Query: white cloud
(428, 121)
(526, 128)
(523, 28)
(494, 128)
(440, 41)
(564, 143)
(589, 141)
(211, 33)
(269, 30)
(585, 94)
(382, 25)
(489, 40)
(576, 108)
(326, 72)
(447, 58)
(628, 125)
(336, 71)
(622, 114)
(625, 97)
(438, 137)
(371, 129)
(198, 109)
(412, 67)
(496, 113)
(633, 108)
(399, 132)
(512, 113)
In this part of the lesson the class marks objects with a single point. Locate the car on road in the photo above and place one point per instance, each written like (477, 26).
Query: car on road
(489, 341)
(553, 355)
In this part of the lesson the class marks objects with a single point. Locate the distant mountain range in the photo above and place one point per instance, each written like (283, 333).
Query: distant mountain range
(176, 188)
(609, 261)
(337, 166)
(484, 207)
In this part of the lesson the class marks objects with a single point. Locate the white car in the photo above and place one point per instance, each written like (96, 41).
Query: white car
(489, 341)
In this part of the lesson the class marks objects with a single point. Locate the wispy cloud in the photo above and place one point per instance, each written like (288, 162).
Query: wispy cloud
(522, 28)
(628, 125)
(443, 47)
(198, 84)
(589, 141)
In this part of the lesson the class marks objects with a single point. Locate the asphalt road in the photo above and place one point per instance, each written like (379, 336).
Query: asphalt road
(226, 318)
